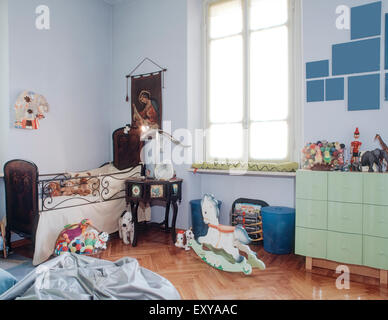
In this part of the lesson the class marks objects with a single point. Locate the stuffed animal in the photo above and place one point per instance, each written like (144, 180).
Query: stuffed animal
(61, 247)
(318, 156)
(69, 188)
(180, 239)
(55, 189)
(103, 238)
(189, 236)
(72, 231)
(83, 188)
(183, 238)
(377, 156)
(126, 227)
(77, 246)
(81, 238)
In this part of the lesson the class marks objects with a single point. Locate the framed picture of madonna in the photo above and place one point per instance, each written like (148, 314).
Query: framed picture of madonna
(146, 101)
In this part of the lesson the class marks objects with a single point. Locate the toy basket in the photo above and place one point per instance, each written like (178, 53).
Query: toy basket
(247, 212)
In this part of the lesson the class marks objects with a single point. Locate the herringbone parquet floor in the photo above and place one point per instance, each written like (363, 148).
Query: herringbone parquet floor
(284, 278)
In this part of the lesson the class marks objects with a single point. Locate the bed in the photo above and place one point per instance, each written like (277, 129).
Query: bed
(39, 206)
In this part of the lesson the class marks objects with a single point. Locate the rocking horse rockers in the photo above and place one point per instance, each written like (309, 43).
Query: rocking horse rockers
(223, 243)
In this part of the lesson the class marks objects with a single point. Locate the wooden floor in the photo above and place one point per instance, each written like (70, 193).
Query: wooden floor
(284, 278)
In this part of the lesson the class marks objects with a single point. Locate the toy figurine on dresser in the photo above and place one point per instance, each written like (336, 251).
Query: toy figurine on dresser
(375, 157)
(355, 164)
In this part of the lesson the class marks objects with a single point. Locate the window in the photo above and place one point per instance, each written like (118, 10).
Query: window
(249, 60)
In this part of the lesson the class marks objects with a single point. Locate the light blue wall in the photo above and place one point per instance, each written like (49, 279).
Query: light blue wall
(157, 30)
(331, 120)
(175, 42)
(71, 65)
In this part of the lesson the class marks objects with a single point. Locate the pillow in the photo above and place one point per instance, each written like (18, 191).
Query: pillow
(7, 281)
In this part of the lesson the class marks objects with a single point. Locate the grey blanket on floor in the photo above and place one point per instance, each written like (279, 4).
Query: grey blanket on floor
(77, 277)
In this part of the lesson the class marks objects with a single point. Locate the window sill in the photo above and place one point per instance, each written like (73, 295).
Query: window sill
(235, 173)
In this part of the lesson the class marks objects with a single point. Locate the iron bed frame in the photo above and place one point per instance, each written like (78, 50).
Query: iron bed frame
(24, 187)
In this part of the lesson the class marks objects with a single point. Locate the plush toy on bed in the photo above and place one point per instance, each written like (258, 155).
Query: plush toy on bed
(81, 238)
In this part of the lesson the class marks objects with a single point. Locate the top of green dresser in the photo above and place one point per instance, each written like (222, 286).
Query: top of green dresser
(352, 187)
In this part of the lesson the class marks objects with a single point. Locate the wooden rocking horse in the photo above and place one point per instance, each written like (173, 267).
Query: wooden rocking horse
(223, 243)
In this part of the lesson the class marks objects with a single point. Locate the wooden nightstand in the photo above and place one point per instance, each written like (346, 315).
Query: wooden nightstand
(153, 192)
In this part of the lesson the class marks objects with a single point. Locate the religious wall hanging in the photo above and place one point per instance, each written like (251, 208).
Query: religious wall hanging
(146, 98)
(30, 108)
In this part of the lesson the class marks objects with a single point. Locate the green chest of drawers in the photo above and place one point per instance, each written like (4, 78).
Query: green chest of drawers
(342, 217)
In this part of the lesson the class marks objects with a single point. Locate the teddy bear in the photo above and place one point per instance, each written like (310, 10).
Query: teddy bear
(55, 189)
(83, 186)
(68, 189)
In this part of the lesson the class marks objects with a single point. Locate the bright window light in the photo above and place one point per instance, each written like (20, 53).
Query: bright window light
(226, 80)
(248, 86)
(268, 13)
(226, 141)
(226, 18)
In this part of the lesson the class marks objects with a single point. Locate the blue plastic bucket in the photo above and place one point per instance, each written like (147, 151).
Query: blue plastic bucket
(199, 227)
(278, 229)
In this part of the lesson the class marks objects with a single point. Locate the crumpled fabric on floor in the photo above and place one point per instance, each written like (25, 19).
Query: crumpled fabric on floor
(76, 277)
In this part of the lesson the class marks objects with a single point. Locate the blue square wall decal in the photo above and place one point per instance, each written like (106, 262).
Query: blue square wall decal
(366, 20)
(386, 42)
(315, 90)
(335, 89)
(386, 86)
(317, 69)
(364, 92)
(356, 57)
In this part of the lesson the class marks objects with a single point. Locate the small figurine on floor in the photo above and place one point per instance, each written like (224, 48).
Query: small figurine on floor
(103, 238)
(183, 239)
(180, 239)
(189, 236)
(355, 163)
(126, 227)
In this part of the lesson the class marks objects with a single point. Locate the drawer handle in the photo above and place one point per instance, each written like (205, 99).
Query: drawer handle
(381, 253)
(344, 249)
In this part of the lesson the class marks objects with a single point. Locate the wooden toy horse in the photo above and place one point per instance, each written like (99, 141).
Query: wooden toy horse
(224, 242)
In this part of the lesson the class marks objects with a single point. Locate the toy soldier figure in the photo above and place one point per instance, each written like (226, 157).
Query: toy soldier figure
(355, 152)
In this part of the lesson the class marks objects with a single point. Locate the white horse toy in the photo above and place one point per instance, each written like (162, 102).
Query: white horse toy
(224, 242)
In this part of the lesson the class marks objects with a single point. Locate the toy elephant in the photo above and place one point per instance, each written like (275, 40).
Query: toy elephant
(369, 158)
